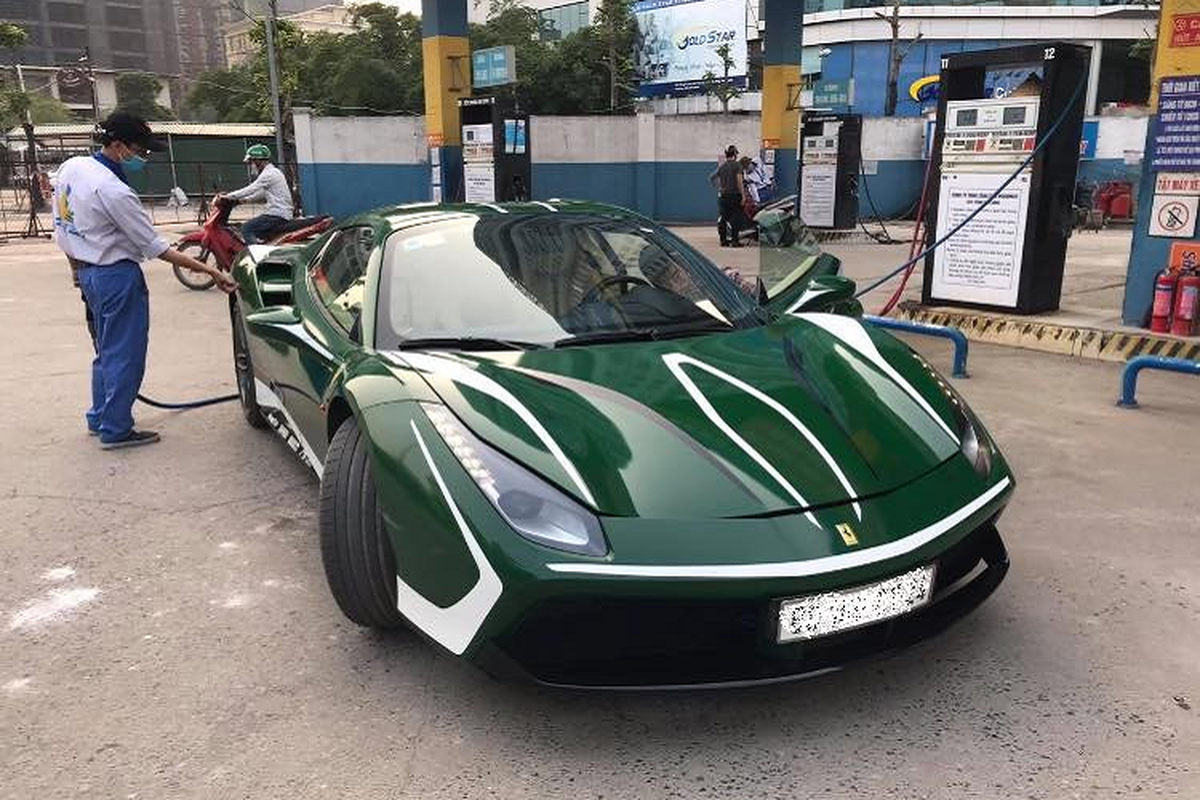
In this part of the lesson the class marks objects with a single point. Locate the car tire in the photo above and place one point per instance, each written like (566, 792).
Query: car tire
(243, 369)
(196, 281)
(355, 549)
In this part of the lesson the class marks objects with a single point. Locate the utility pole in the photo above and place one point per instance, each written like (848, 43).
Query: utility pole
(273, 74)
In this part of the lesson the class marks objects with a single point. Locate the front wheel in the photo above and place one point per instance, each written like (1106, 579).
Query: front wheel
(355, 549)
(196, 281)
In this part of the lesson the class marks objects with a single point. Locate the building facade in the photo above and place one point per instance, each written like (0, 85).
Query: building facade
(846, 39)
(330, 17)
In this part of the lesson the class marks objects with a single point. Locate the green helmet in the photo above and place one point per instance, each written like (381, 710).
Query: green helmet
(258, 152)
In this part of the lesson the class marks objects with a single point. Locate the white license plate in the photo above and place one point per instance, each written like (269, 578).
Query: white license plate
(821, 614)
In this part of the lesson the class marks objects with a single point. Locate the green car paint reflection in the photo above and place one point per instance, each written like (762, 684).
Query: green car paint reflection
(558, 442)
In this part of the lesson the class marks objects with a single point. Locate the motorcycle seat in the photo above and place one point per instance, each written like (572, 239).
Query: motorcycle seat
(296, 224)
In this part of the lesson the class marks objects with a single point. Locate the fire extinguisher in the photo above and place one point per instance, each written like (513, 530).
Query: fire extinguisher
(1164, 301)
(1187, 305)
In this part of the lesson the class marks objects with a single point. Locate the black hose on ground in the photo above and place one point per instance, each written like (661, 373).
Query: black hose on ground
(208, 401)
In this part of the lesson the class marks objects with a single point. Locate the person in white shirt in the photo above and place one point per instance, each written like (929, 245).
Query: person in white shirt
(270, 185)
(101, 226)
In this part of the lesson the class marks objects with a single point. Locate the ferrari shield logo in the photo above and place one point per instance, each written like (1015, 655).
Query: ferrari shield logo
(848, 534)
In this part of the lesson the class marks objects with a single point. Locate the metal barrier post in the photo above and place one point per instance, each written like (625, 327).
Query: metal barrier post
(925, 329)
(1129, 375)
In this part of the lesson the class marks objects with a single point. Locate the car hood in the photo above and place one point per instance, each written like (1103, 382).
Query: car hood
(812, 411)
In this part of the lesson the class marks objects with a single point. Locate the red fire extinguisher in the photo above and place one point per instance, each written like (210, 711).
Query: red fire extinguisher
(1164, 301)
(1187, 305)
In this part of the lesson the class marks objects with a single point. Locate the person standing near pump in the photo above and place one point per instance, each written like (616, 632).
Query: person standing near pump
(104, 231)
(731, 191)
(269, 184)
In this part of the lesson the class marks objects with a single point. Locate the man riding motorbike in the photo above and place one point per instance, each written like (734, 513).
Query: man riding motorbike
(269, 184)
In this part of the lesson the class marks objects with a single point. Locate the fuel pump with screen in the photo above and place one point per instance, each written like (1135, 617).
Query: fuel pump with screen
(829, 166)
(1010, 256)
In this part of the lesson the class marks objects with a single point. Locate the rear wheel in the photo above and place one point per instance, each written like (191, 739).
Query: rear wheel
(358, 559)
(243, 369)
(197, 281)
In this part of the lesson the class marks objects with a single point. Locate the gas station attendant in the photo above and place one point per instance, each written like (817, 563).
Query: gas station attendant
(100, 224)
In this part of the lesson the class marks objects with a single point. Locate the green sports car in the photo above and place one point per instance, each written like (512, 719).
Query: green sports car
(558, 442)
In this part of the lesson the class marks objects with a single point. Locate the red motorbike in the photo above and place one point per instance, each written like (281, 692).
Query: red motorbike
(218, 240)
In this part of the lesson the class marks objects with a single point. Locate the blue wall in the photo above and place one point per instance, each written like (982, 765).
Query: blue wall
(668, 191)
(344, 189)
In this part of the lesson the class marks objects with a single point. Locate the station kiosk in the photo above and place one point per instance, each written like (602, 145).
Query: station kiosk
(1010, 256)
(496, 159)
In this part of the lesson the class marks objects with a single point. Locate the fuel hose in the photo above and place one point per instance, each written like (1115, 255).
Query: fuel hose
(1037, 149)
(208, 401)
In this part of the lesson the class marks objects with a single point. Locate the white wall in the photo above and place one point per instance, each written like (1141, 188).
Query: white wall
(893, 138)
(575, 140)
(359, 140)
(1118, 134)
(705, 137)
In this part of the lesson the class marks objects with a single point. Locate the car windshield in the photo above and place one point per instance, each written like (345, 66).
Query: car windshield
(549, 279)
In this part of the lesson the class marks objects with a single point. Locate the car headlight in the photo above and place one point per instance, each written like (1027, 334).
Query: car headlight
(974, 448)
(535, 509)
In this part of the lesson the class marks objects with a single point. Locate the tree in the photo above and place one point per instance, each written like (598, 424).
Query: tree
(722, 87)
(897, 52)
(137, 93)
(617, 31)
(12, 38)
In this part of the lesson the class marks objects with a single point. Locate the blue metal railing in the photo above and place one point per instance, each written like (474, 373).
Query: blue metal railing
(925, 329)
(1129, 375)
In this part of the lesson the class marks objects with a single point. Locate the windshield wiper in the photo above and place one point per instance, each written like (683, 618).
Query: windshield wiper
(465, 343)
(644, 334)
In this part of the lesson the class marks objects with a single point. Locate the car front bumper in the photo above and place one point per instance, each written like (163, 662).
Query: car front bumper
(667, 640)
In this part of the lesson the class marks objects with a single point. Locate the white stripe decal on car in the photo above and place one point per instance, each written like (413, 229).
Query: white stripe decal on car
(675, 362)
(460, 373)
(455, 626)
(287, 427)
(853, 334)
(791, 569)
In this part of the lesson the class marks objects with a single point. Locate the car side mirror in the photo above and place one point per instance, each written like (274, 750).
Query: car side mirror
(827, 293)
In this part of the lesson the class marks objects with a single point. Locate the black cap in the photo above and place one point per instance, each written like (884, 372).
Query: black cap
(132, 129)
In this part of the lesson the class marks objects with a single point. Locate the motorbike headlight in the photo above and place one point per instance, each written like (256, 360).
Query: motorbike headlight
(535, 509)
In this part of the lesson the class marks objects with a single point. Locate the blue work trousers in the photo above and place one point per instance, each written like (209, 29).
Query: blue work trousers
(119, 303)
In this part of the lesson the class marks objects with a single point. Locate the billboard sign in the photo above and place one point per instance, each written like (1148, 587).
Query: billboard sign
(493, 66)
(677, 43)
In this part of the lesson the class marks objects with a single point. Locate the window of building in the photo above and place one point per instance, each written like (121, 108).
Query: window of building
(130, 42)
(130, 61)
(72, 13)
(563, 20)
(75, 38)
(18, 9)
(125, 17)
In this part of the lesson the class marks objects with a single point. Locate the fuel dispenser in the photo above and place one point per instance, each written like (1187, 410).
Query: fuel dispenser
(496, 159)
(830, 157)
(993, 109)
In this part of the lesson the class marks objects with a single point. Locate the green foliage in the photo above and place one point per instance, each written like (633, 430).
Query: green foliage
(137, 93)
(12, 36)
(720, 87)
(376, 69)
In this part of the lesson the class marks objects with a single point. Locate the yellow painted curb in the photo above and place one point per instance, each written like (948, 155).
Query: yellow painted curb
(1067, 340)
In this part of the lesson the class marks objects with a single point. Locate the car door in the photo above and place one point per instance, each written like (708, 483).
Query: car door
(328, 306)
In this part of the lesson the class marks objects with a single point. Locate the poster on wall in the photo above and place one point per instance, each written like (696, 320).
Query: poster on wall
(479, 182)
(982, 262)
(818, 193)
(477, 143)
(677, 41)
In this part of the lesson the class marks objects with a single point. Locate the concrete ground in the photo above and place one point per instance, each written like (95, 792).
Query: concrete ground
(165, 629)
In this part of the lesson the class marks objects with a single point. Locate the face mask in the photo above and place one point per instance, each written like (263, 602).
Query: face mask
(133, 162)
